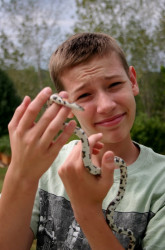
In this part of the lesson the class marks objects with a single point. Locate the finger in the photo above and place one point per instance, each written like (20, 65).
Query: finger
(108, 165)
(19, 112)
(50, 113)
(63, 94)
(48, 116)
(98, 146)
(34, 108)
(94, 141)
(54, 126)
(64, 136)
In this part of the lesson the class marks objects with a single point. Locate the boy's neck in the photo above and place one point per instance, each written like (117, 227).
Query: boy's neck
(126, 149)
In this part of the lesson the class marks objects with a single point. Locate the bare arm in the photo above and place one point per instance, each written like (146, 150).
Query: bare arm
(97, 231)
(33, 151)
(86, 193)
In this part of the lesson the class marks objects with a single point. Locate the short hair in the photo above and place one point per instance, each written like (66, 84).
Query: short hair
(80, 48)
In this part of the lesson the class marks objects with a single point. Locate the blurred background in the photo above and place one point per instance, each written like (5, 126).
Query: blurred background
(31, 30)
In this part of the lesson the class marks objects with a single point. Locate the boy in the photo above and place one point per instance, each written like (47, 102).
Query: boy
(93, 72)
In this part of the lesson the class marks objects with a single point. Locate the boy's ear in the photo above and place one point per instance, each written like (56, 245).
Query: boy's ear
(132, 75)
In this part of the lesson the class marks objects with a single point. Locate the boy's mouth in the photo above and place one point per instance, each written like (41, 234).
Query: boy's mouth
(108, 122)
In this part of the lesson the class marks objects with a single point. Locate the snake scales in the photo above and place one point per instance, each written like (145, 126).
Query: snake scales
(86, 157)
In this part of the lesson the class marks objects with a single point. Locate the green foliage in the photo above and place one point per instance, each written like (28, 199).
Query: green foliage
(149, 132)
(5, 145)
(152, 93)
(36, 32)
(10, 55)
(140, 33)
(9, 100)
(26, 81)
(135, 32)
(2, 176)
(73, 137)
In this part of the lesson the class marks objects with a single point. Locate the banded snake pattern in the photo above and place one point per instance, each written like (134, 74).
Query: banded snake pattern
(94, 170)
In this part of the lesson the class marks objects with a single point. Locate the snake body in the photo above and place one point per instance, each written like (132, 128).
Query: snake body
(94, 170)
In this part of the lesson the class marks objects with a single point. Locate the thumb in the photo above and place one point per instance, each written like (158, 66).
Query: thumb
(108, 166)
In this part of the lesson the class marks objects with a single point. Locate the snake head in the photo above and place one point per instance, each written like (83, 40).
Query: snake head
(119, 161)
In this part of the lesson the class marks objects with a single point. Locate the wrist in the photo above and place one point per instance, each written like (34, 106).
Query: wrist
(88, 214)
(97, 231)
(16, 182)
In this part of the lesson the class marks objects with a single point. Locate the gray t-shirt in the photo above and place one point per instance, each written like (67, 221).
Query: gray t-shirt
(142, 209)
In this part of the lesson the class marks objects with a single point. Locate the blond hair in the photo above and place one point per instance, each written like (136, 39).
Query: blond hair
(80, 48)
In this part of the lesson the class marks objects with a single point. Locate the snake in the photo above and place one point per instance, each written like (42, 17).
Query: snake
(94, 170)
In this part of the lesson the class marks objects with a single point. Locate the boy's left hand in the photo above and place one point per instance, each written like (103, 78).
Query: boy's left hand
(86, 191)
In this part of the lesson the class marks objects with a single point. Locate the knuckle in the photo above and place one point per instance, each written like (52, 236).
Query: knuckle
(19, 132)
(24, 137)
(47, 116)
(18, 109)
(10, 126)
(29, 140)
(65, 170)
(31, 110)
(53, 129)
(61, 171)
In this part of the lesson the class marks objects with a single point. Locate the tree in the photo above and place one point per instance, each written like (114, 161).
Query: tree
(139, 28)
(30, 31)
(151, 98)
(9, 100)
(10, 56)
(149, 132)
(26, 80)
(160, 35)
(127, 21)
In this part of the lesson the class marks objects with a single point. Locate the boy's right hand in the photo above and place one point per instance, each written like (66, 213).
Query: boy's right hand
(32, 144)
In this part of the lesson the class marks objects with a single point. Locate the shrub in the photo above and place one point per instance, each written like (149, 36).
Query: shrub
(9, 100)
(5, 145)
(150, 132)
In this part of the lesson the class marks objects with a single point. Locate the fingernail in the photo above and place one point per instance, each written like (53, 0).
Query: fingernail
(110, 157)
(47, 90)
(63, 94)
(100, 134)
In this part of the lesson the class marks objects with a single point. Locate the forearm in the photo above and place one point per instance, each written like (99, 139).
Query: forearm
(98, 233)
(33, 151)
(86, 193)
(16, 205)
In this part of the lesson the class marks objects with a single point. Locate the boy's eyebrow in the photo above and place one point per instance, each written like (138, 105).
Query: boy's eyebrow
(81, 87)
(108, 77)
(111, 77)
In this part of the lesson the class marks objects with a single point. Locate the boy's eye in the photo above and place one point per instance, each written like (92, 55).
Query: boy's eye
(114, 84)
(83, 96)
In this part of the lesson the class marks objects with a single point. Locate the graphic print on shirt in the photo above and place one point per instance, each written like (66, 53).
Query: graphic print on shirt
(58, 229)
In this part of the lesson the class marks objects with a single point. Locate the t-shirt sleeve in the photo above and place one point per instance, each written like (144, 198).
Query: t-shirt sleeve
(154, 237)
(35, 215)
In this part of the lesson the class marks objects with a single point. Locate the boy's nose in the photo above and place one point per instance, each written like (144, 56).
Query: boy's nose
(105, 103)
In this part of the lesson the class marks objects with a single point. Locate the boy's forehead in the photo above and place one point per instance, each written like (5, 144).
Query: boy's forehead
(105, 67)
(100, 70)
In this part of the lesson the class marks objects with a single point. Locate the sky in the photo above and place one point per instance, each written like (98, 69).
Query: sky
(60, 12)
(65, 17)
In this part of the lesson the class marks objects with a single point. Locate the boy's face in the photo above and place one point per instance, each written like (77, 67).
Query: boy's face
(102, 87)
